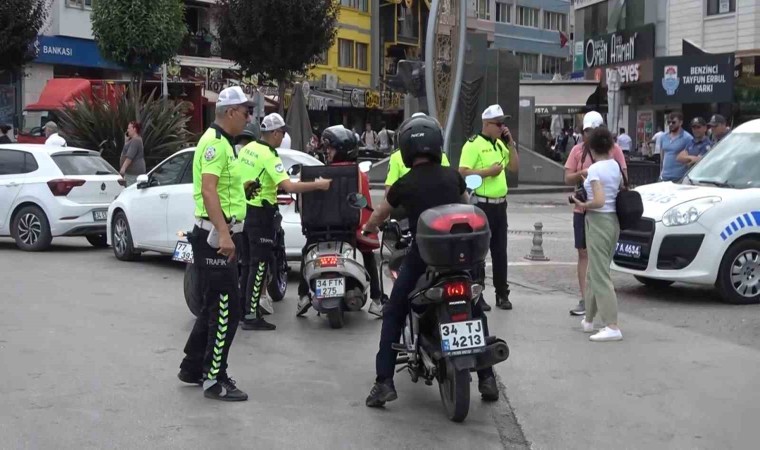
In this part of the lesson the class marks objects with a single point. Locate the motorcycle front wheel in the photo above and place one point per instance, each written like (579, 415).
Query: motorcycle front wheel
(454, 386)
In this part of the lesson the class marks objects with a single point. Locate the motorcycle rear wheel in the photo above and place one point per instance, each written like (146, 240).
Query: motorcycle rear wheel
(335, 318)
(277, 282)
(454, 386)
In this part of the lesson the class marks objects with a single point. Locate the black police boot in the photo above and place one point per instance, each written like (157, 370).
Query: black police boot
(489, 390)
(257, 324)
(188, 377)
(381, 392)
(226, 391)
(502, 301)
(485, 306)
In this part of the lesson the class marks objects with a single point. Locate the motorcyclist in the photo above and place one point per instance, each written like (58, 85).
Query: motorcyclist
(341, 148)
(427, 185)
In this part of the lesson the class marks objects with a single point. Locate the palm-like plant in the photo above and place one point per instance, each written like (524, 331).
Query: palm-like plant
(96, 124)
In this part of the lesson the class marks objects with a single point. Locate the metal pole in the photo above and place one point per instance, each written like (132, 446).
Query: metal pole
(458, 76)
(429, 58)
(164, 82)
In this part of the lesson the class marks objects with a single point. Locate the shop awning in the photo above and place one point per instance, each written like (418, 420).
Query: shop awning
(558, 97)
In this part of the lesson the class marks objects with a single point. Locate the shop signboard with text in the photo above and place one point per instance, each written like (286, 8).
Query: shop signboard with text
(694, 79)
(619, 47)
(630, 73)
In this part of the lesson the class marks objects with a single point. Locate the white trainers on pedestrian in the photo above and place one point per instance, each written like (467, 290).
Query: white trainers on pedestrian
(304, 303)
(588, 327)
(607, 334)
(266, 304)
(375, 308)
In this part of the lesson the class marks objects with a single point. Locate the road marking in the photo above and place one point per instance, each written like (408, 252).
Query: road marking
(536, 263)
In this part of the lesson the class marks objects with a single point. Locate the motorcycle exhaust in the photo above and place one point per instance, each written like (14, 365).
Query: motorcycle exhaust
(494, 354)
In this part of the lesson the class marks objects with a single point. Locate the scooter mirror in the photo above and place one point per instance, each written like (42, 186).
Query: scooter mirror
(294, 170)
(473, 181)
(364, 166)
(357, 200)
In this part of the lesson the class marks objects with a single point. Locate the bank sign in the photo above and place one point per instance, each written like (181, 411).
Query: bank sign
(70, 52)
(694, 79)
(619, 47)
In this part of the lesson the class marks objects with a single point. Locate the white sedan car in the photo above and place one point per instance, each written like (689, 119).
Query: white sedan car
(50, 191)
(147, 216)
(704, 230)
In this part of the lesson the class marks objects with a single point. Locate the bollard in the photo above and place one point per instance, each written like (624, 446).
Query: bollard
(537, 251)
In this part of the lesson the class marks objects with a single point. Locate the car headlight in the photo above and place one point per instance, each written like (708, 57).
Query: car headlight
(688, 212)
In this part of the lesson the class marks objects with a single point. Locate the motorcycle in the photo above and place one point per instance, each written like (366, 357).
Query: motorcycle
(441, 340)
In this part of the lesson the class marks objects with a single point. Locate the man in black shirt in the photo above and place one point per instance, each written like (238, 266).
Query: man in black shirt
(427, 185)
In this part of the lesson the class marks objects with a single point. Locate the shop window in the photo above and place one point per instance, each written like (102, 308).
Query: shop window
(79, 3)
(715, 7)
(528, 62)
(346, 53)
(361, 5)
(527, 17)
(362, 56)
(551, 65)
(555, 21)
(503, 12)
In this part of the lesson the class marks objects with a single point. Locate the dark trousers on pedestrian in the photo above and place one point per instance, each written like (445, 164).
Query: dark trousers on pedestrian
(497, 221)
(396, 310)
(260, 234)
(209, 343)
(370, 263)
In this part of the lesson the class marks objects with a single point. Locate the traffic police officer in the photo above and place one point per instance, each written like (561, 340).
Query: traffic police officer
(487, 155)
(260, 162)
(219, 208)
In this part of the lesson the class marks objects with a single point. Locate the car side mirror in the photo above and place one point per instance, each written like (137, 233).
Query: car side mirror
(357, 200)
(473, 181)
(294, 170)
(142, 182)
(364, 166)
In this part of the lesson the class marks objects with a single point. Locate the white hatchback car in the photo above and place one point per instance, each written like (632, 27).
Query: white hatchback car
(147, 217)
(50, 191)
(704, 230)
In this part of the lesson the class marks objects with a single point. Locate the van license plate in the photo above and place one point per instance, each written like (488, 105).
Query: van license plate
(183, 252)
(330, 287)
(100, 215)
(461, 338)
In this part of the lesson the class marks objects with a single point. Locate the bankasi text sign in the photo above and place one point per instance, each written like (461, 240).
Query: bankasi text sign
(694, 79)
(619, 47)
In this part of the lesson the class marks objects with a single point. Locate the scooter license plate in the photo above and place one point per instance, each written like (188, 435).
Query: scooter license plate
(461, 338)
(330, 287)
(183, 252)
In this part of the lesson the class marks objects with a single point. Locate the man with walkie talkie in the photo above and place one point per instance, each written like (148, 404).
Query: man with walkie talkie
(262, 167)
(490, 154)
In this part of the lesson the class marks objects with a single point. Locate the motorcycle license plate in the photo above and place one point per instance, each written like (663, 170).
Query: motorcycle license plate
(183, 252)
(461, 338)
(330, 287)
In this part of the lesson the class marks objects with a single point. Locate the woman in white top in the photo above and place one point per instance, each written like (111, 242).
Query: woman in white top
(602, 230)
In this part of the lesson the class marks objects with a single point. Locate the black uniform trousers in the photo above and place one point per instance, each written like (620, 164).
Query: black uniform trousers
(209, 343)
(497, 221)
(260, 232)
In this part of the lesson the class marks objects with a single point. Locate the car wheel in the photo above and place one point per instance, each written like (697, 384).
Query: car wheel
(31, 229)
(652, 283)
(121, 238)
(739, 276)
(97, 240)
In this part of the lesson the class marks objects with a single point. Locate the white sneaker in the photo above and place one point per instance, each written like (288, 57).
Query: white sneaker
(266, 304)
(375, 308)
(607, 334)
(304, 303)
(588, 327)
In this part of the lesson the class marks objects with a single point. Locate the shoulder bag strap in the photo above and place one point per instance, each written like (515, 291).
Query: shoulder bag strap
(626, 186)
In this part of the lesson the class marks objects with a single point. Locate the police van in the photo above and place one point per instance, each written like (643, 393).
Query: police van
(705, 229)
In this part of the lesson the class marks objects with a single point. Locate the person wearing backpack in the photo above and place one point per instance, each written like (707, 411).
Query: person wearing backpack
(601, 188)
(576, 171)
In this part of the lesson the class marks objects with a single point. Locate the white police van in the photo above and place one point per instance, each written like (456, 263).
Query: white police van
(705, 229)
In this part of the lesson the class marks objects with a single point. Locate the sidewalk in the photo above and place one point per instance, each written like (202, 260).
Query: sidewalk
(661, 387)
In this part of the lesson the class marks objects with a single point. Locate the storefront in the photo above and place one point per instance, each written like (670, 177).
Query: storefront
(631, 54)
(747, 89)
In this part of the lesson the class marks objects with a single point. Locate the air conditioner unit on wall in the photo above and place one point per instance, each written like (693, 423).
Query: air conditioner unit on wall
(330, 81)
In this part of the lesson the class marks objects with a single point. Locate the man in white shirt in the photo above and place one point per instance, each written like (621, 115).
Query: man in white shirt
(286, 142)
(51, 133)
(656, 141)
(624, 141)
(369, 137)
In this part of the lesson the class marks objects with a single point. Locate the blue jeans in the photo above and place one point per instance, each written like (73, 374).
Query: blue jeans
(396, 310)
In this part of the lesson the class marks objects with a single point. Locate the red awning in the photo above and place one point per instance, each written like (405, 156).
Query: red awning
(60, 91)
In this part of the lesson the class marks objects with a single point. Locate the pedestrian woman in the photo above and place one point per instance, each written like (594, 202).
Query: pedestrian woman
(132, 156)
(4, 138)
(602, 229)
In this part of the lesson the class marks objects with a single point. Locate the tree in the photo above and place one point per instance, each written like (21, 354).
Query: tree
(20, 21)
(139, 34)
(276, 39)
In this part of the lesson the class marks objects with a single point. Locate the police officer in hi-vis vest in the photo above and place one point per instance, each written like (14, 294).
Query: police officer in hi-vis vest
(489, 154)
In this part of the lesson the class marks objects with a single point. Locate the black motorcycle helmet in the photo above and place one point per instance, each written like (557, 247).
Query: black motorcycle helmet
(343, 141)
(252, 132)
(420, 135)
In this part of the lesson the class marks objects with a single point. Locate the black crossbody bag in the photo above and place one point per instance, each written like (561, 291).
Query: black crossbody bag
(628, 205)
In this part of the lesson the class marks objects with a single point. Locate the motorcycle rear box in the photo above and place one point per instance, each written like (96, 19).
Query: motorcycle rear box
(329, 211)
(453, 237)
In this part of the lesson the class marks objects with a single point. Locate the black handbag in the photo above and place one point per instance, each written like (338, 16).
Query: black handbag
(628, 205)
